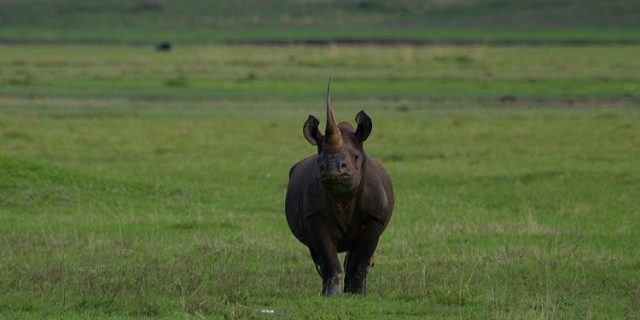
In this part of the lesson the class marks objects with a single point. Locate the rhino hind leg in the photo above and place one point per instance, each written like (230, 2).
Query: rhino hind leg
(358, 259)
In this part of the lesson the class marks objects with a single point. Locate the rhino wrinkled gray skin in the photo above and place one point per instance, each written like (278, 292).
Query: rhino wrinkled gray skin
(339, 200)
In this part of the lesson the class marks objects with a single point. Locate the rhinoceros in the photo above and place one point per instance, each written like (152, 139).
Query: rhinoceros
(339, 200)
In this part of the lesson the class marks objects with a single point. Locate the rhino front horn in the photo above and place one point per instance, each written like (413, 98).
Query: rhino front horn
(333, 137)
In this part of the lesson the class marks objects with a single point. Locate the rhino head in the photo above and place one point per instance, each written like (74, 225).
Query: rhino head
(341, 155)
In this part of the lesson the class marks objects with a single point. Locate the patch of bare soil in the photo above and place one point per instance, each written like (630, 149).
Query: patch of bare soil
(401, 104)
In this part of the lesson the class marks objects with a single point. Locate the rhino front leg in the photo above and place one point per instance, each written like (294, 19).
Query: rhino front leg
(316, 262)
(325, 252)
(359, 257)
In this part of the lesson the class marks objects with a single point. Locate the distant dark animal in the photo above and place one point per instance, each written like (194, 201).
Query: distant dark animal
(163, 47)
(339, 200)
(149, 5)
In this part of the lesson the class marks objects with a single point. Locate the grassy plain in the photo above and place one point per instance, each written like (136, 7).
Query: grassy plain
(140, 184)
(196, 22)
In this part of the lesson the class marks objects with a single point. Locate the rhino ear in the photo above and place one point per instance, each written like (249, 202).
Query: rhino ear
(310, 130)
(364, 126)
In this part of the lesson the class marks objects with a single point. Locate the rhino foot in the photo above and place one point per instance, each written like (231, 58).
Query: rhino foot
(331, 286)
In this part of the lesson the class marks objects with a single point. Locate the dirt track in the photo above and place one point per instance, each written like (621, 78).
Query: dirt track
(344, 41)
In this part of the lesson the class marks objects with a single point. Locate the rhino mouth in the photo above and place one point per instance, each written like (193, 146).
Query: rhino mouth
(339, 182)
(335, 178)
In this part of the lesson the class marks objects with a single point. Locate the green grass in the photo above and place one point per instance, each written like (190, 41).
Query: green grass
(125, 195)
(164, 210)
(192, 21)
(299, 73)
